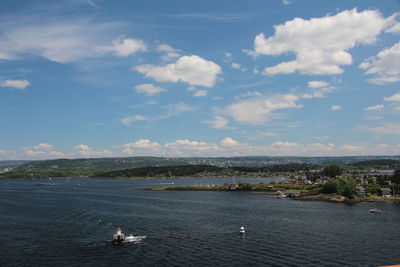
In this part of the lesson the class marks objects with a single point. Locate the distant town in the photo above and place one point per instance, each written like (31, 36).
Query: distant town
(320, 178)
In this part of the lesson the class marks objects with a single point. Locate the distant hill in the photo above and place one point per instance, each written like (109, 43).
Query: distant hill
(11, 163)
(378, 163)
(137, 162)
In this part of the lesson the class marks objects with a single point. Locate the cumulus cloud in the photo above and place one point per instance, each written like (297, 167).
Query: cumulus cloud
(393, 98)
(42, 146)
(169, 52)
(236, 66)
(18, 84)
(55, 39)
(248, 94)
(142, 147)
(320, 44)
(318, 91)
(385, 66)
(86, 151)
(259, 110)
(200, 93)
(219, 123)
(41, 151)
(375, 107)
(131, 119)
(148, 89)
(187, 147)
(7, 154)
(336, 107)
(229, 142)
(193, 70)
(124, 47)
(317, 84)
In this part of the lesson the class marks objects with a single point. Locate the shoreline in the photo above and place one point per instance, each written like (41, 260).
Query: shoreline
(319, 197)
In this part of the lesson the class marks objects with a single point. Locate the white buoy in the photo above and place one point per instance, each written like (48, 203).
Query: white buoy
(242, 231)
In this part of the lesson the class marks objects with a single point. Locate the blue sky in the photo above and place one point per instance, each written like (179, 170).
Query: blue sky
(96, 78)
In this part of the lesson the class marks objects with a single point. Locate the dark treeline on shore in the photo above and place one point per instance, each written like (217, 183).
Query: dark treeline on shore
(312, 171)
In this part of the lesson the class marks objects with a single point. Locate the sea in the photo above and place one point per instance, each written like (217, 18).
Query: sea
(70, 222)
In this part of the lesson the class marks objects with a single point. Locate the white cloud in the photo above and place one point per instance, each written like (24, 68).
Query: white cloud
(336, 107)
(229, 142)
(87, 151)
(7, 154)
(82, 147)
(142, 147)
(228, 57)
(318, 92)
(59, 40)
(284, 144)
(236, 66)
(352, 147)
(170, 53)
(200, 93)
(41, 151)
(376, 107)
(320, 44)
(393, 98)
(261, 109)
(18, 84)
(131, 119)
(385, 66)
(187, 147)
(386, 128)
(285, 2)
(193, 70)
(173, 110)
(317, 84)
(148, 89)
(219, 123)
(124, 47)
(42, 146)
(248, 94)
(395, 28)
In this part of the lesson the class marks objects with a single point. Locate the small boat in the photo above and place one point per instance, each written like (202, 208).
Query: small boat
(119, 238)
(281, 195)
(242, 231)
(375, 210)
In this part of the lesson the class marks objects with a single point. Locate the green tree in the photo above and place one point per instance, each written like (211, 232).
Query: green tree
(348, 187)
(343, 186)
(332, 171)
(396, 177)
(331, 187)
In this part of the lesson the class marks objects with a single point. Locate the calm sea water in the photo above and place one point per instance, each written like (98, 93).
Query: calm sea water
(69, 223)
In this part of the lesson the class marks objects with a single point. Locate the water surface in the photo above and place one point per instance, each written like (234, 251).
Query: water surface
(69, 222)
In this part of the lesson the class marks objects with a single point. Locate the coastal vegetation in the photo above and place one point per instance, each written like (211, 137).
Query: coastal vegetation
(332, 182)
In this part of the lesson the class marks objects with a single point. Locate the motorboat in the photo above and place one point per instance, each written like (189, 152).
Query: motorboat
(119, 237)
(280, 195)
(375, 210)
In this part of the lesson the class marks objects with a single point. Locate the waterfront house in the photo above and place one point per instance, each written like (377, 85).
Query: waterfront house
(360, 191)
(233, 186)
(385, 192)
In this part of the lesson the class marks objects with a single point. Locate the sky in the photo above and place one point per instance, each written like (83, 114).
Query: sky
(97, 78)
